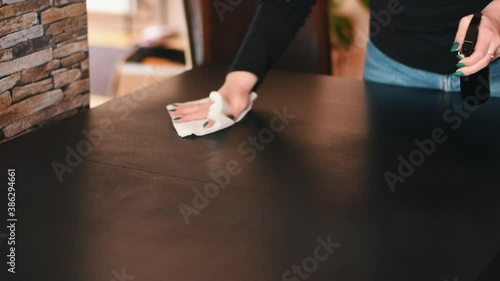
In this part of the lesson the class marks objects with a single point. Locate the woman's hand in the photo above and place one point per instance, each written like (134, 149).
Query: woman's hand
(236, 91)
(488, 43)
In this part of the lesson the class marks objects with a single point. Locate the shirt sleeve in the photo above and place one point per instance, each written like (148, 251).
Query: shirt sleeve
(273, 28)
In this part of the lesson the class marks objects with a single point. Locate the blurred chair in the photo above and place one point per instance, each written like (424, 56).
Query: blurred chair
(213, 40)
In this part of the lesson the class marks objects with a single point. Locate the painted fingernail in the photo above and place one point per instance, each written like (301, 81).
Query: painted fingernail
(173, 110)
(206, 124)
(455, 46)
(177, 118)
(460, 57)
(458, 74)
(231, 117)
(460, 64)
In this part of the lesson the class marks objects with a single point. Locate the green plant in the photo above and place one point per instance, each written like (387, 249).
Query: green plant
(365, 3)
(341, 26)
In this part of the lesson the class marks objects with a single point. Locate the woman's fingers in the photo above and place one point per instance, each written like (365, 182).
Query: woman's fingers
(238, 100)
(185, 109)
(199, 114)
(238, 104)
(231, 115)
(483, 45)
(486, 48)
(479, 60)
(462, 31)
(188, 113)
(209, 123)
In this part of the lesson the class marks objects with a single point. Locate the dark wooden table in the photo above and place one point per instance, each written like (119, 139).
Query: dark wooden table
(270, 205)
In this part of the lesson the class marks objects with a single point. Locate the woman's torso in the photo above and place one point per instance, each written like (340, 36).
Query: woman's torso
(419, 33)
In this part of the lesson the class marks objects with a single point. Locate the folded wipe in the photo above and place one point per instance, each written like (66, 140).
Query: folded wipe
(218, 113)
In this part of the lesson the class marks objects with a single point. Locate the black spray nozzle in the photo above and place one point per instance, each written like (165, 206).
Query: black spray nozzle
(471, 36)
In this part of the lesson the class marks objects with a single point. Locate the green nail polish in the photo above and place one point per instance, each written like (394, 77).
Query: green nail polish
(460, 64)
(231, 117)
(177, 118)
(206, 124)
(173, 110)
(458, 74)
(455, 46)
(460, 57)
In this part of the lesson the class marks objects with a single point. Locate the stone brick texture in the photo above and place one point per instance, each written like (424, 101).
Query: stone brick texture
(43, 63)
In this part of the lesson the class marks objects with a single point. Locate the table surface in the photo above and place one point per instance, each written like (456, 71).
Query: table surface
(320, 176)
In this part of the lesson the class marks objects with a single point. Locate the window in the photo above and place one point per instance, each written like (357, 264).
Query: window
(110, 6)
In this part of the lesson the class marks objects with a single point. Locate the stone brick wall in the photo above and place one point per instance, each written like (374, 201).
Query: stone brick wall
(44, 66)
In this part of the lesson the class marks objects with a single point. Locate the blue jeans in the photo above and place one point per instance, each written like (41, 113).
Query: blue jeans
(382, 69)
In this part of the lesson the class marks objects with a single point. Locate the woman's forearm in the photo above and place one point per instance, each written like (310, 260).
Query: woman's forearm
(274, 26)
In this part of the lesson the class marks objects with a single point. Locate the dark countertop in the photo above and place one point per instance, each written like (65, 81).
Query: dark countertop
(116, 210)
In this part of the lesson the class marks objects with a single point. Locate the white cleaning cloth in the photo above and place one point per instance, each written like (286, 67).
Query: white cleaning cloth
(218, 113)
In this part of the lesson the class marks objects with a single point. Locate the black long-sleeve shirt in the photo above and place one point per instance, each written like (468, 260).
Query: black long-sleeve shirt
(417, 33)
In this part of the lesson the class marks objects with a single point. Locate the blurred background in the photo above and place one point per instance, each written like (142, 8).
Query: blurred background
(136, 42)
